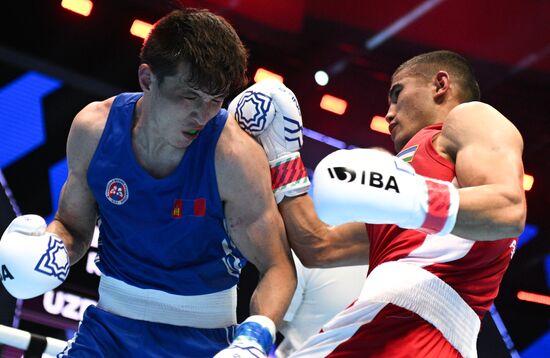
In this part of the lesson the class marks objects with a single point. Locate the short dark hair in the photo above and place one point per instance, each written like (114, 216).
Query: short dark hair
(207, 42)
(427, 65)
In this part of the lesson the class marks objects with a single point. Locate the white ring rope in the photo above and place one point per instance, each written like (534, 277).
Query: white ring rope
(20, 339)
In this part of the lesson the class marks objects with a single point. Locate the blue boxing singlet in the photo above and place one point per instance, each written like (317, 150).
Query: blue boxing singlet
(166, 234)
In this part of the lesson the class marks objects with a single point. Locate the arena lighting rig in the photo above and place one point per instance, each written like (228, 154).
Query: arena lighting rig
(81, 7)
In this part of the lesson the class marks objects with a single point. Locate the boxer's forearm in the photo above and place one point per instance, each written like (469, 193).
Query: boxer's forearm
(318, 244)
(490, 212)
(76, 244)
(274, 292)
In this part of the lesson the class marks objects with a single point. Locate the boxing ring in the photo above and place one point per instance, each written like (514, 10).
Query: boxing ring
(34, 345)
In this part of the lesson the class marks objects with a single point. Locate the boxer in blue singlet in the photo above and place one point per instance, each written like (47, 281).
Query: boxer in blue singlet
(183, 200)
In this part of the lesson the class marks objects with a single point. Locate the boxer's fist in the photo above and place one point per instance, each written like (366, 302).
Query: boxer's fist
(270, 112)
(253, 339)
(375, 187)
(32, 261)
(244, 348)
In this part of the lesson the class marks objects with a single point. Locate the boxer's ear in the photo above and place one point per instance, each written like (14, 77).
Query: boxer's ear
(145, 77)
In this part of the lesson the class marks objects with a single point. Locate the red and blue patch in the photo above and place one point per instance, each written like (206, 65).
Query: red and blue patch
(116, 191)
(182, 207)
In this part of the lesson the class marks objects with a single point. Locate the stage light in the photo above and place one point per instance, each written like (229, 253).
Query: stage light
(321, 77)
(379, 124)
(528, 181)
(333, 104)
(533, 297)
(82, 7)
(263, 74)
(141, 29)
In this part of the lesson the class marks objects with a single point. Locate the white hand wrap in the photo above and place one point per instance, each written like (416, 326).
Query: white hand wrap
(368, 185)
(270, 112)
(254, 338)
(32, 260)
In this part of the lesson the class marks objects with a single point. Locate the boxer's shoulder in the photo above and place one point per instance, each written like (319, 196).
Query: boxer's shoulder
(86, 131)
(91, 120)
(236, 148)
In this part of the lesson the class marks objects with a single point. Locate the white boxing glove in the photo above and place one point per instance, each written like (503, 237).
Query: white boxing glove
(372, 186)
(270, 112)
(32, 260)
(253, 339)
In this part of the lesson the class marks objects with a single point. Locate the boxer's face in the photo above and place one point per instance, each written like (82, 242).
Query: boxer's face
(411, 106)
(179, 110)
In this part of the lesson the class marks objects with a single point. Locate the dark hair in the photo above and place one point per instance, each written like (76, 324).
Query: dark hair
(428, 64)
(207, 42)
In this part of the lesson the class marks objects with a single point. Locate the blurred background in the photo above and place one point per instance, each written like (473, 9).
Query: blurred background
(337, 56)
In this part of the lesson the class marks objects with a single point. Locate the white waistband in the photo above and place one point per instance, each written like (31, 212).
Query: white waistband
(214, 310)
(425, 294)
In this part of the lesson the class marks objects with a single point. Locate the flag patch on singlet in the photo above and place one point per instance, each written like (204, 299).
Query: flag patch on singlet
(182, 207)
(199, 207)
(177, 210)
(408, 154)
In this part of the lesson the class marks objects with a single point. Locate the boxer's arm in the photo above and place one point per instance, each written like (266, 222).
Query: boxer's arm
(487, 151)
(27, 240)
(256, 227)
(253, 221)
(270, 112)
(318, 244)
(75, 218)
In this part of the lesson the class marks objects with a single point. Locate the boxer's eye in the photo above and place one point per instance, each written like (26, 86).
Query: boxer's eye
(394, 93)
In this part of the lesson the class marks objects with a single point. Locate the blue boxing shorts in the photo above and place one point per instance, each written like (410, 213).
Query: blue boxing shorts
(104, 334)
